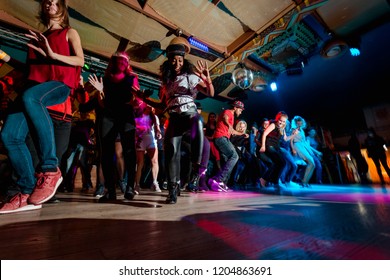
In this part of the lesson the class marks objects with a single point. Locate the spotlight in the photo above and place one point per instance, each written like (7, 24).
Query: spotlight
(354, 46)
(274, 86)
(354, 51)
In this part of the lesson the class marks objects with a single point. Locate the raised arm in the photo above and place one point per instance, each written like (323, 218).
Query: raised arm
(205, 85)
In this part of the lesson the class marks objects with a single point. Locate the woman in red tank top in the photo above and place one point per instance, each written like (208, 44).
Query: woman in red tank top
(54, 61)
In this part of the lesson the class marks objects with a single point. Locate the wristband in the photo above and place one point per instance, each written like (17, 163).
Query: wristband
(3, 54)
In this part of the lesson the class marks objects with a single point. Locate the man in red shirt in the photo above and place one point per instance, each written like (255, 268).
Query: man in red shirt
(223, 131)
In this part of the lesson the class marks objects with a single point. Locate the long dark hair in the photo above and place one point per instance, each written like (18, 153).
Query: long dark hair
(167, 72)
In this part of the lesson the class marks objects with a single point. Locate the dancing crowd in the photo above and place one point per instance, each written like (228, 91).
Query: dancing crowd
(135, 142)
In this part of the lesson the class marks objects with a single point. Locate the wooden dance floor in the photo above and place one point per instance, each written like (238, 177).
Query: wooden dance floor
(326, 222)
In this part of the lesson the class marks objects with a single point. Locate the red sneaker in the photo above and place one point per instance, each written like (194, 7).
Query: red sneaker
(18, 204)
(46, 186)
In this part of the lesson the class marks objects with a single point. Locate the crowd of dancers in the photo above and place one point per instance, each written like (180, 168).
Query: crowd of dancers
(45, 143)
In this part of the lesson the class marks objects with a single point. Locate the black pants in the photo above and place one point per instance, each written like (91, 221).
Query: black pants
(179, 125)
(110, 127)
(277, 157)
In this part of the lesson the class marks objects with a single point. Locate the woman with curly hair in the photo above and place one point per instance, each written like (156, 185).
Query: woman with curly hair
(181, 82)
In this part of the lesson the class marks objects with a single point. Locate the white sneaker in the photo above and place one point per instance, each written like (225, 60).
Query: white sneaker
(217, 186)
(283, 185)
(156, 187)
(293, 184)
(136, 189)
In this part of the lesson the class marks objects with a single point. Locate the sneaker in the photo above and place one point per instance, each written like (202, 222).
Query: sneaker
(129, 195)
(137, 189)
(107, 198)
(217, 186)
(99, 192)
(281, 184)
(224, 186)
(293, 184)
(18, 204)
(305, 185)
(164, 185)
(122, 185)
(156, 187)
(193, 185)
(46, 187)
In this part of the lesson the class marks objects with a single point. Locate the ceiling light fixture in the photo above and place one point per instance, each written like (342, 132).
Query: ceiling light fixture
(334, 48)
(196, 43)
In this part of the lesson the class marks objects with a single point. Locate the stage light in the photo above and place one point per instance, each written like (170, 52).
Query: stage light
(198, 44)
(274, 86)
(354, 51)
(354, 45)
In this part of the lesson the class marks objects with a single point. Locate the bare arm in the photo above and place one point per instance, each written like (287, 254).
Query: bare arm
(264, 136)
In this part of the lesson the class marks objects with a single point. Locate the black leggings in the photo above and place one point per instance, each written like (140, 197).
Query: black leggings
(110, 127)
(180, 124)
(276, 155)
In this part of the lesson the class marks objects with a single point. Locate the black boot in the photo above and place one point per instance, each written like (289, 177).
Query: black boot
(173, 189)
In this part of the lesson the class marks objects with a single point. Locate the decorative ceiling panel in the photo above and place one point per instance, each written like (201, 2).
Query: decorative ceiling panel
(257, 13)
(201, 19)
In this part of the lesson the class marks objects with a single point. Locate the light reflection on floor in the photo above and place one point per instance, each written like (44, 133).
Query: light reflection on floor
(322, 222)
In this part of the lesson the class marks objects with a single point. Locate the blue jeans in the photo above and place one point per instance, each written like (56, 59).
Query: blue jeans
(291, 167)
(34, 117)
(229, 155)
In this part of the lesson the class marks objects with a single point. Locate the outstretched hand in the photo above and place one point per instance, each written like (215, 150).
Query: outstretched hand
(96, 82)
(202, 70)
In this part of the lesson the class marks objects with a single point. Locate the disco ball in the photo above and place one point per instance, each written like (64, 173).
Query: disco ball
(243, 78)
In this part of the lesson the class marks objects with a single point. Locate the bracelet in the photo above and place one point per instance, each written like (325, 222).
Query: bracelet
(3, 54)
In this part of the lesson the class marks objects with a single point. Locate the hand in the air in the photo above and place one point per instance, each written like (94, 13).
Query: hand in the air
(96, 82)
(202, 71)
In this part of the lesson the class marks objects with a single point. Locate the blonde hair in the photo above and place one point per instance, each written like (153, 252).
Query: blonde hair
(298, 119)
(239, 124)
